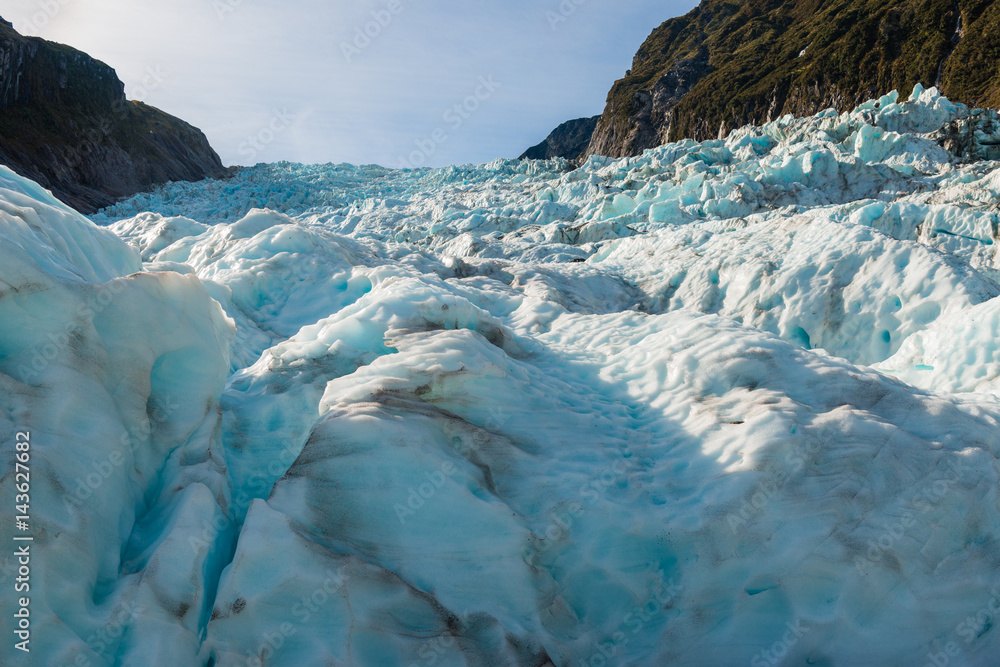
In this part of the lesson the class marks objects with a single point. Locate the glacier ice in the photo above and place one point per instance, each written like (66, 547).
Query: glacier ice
(728, 402)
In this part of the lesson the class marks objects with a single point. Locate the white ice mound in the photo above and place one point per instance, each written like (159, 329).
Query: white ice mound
(959, 354)
(116, 378)
(729, 402)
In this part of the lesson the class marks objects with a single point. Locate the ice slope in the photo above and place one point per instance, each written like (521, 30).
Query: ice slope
(724, 403)
(116, 375)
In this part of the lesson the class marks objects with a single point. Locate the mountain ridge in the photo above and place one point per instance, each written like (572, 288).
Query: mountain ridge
(570, 140)
(726, 64)
(65, 122)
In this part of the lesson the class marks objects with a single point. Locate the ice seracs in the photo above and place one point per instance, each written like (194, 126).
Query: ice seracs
(729, 402)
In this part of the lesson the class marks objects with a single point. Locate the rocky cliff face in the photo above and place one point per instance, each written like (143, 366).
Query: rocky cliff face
(569, 140)
(65, 123)
(726, 64)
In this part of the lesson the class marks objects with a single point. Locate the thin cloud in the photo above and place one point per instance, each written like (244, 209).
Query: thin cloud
(366, 83)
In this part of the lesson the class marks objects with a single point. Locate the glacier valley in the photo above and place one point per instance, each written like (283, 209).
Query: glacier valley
(727, 403)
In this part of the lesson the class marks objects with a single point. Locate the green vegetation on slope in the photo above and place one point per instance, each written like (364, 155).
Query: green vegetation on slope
(767, 58)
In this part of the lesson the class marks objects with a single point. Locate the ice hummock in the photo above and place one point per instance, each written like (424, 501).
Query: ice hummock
(728, 402)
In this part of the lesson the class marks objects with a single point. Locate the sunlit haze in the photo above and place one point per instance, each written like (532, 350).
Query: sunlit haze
(360, 82)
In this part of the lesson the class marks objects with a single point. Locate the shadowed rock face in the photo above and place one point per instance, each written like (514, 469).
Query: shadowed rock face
(726, 64)
(652, 110)
(569, 141)
(65, 123)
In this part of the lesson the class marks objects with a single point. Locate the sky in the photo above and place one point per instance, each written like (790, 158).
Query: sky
(401, 83)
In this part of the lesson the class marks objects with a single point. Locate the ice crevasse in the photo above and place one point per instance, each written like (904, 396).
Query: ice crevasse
(729, 402)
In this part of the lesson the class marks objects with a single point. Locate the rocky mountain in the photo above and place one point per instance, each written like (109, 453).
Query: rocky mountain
(727, 63)
(65, 123)
(569, 140)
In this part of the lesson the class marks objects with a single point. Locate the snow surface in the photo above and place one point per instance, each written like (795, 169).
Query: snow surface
(730, 402)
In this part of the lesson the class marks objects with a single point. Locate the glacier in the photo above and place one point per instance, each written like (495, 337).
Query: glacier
(734, 402)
